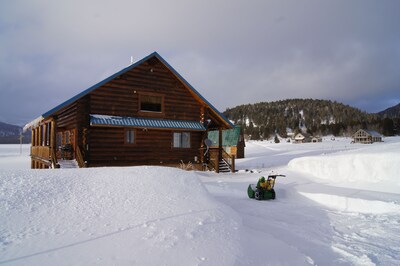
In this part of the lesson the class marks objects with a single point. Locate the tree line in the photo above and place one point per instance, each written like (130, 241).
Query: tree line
(316, 117)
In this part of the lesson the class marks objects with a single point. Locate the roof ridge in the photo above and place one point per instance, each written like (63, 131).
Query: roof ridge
(122, 71)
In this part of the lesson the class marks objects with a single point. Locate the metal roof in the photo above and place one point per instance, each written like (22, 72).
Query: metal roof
(373, 133)
(154, 54)
(124, 121)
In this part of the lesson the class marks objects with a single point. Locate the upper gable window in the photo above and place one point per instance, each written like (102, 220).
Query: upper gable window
(151, 103)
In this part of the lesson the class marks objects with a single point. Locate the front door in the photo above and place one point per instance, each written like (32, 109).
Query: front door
(66, 143)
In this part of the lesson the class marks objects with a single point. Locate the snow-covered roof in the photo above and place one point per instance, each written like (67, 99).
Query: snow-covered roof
(105, 120)
(299, 136)
(34, 123)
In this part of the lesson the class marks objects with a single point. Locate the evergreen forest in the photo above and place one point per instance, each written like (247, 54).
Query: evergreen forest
(265, 120)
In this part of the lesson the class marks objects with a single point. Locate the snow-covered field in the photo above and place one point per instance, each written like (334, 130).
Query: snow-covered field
(339, 204)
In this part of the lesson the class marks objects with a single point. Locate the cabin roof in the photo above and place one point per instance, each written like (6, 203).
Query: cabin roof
(230, 137)
(106, 120)
(372, 133)
(132, 66)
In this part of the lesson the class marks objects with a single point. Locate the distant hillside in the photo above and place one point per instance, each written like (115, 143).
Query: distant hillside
(392, 112)
(317, 117)
(10, 134)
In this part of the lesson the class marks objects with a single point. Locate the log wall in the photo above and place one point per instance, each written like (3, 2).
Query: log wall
(120, 96)
(105, 146)
(152, 147)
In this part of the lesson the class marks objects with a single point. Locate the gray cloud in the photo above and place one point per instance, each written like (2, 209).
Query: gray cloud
(233, 52)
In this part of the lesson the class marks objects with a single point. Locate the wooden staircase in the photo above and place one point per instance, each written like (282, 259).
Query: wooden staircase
(225, 163)
(224, 167)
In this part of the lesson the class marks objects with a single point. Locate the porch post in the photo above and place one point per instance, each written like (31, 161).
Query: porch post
(233, 164)
(33, 143)
(53, 133)
(219, 147)
(53, 141)
(40, 135)
(202, 114)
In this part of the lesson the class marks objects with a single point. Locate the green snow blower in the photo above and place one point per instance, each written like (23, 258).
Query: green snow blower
(264, 189)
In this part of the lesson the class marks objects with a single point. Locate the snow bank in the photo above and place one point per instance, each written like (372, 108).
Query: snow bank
(349, 204)
(375, 167)
(113, 216)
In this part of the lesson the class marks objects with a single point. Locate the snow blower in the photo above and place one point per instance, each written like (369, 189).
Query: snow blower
(264, 189)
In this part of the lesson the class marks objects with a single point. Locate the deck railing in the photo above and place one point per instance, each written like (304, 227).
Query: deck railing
(42, 152)
(53, 159)
(79, 158)
(214, 160)
(229, 159)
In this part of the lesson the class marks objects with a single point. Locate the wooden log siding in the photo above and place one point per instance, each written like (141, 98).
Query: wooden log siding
(118, 96)
(152, 147)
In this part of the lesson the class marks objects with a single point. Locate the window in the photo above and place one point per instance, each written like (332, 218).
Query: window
(151, 103)
(181, 140)
(130, 136)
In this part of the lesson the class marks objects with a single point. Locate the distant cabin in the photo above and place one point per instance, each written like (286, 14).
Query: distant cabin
(301, 138)
(315, 139)
(305, 138)
(366, 136)
(145, 114)
(232, 141)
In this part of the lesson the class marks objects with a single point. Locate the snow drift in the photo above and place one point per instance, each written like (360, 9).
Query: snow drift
(372, 167)
(113, 216)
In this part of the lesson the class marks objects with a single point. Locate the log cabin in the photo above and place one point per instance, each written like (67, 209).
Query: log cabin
(145, 114)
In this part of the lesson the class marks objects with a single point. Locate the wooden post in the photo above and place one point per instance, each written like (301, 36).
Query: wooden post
(32, 137)
(219, 147)
(40, 135)
(53, 140)
(202, 148)
(53, 134)
(233, 164)
(45, 136)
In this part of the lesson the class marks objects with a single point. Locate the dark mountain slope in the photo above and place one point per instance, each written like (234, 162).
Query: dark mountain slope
(318, 117)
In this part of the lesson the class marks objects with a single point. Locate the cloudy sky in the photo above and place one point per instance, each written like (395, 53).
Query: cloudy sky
(232, 52)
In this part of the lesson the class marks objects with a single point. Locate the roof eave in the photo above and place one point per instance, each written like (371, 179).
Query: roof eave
(97, 85)
(204, 100)
(59, 107)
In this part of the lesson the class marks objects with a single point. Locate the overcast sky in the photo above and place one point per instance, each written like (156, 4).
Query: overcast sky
(232, 52)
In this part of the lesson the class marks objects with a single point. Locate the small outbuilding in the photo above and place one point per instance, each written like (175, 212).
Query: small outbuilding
(302, 138)
(366, 136)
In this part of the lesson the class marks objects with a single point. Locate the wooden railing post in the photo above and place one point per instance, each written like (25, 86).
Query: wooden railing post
(79, 157)
(219, 145)
(233, 164)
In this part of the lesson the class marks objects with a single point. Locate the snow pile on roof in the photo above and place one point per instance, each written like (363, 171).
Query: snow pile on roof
(372, 168)
(141, 215)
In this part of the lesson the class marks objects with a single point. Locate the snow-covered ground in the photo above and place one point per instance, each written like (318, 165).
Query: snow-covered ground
(339, 204)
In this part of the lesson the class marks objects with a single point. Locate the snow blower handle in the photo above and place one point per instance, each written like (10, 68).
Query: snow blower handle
(275, 176)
